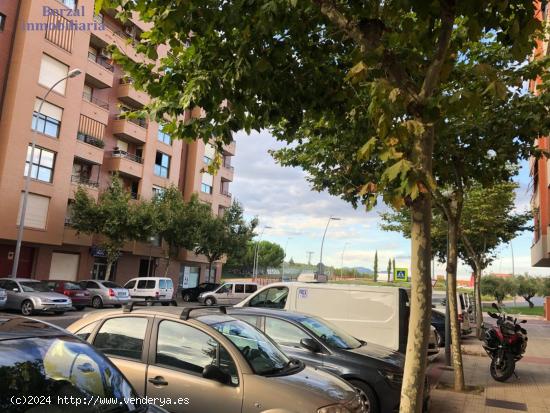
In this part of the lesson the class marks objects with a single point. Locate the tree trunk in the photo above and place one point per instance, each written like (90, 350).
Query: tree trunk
(479, 308)
(528, 299)
(168, 262)
(210, 272)
(108, 270)
(452, 257)
(420, 307)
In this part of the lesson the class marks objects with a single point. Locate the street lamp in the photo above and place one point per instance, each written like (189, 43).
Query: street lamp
(342, 264)
(70, 75)
(255, 266)
(331, 218)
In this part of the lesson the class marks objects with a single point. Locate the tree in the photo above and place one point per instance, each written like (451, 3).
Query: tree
(270, 254)
(177, 222)
(389, 268)
(220, 236)
(354, 75)
(497, 287)
(527, 287)
(375, 267)
(114, 218)
(291, 261)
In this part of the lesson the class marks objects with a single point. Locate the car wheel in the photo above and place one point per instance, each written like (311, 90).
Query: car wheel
(209, 301)
(79, 308)
(187, 297)
(27, 308)
(118, 305)
(368, 396)
(97, 302)
(149, 301)
(165, 304)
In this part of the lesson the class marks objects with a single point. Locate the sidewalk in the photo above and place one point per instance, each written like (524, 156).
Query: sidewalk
(530, 392)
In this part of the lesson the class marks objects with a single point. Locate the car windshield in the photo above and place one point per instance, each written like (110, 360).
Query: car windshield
(72, 286)
(56, 370)
(329, 334)
(261, 353)
(34, 287)
(109, 284)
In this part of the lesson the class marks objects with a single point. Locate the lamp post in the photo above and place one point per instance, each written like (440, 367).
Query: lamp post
(70, 75)
(255, 266)
(331, 218)
(342, 264)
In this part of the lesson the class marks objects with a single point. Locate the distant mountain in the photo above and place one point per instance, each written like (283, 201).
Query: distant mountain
(364, 270)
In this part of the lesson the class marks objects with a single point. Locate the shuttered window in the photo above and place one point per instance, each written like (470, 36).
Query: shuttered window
(48, 121)
(207, 183)
(37, 211)
(64, 266)
(51, 71)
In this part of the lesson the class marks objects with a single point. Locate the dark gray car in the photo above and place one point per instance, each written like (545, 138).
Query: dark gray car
(376, 371)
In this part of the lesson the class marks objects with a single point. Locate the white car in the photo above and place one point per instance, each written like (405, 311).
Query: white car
(151, 289)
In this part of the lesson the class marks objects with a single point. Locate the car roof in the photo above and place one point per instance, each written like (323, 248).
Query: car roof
(205, 315)
(287, 315)
(149, 278)
(18, 327)
(20, 279)
(238, 282)
(334, 286)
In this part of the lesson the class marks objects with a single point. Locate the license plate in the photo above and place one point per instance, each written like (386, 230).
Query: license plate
(79, 294)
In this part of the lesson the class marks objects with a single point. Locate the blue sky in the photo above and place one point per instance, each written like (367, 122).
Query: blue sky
(282, 199)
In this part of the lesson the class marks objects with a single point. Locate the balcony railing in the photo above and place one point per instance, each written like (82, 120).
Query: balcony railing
(102, 61)
(136, 121)
(117, 153)
(226, 193)
(91, 140)
(98, 102)
(84, 180)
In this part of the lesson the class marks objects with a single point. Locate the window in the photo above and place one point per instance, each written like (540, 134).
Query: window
(274, 297)
(42, 164)
(51, 71)
(122, 336)
(85, 331)
(183, 347)
(2, 22)
(239, 288)
(158, 191)
(87, 93)
(163, 136)
(146, 284)
(71, 4)
(250, 288)
(49, 120)
(283, 332)
(250, 319)
(226, 288)
(37, 211)
(162, 165)
(90, 284)
(130, 284)
(207, 182)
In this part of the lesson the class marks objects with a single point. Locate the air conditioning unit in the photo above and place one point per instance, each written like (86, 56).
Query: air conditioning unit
(105, 53)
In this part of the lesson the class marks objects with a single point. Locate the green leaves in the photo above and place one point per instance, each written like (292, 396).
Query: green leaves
(400, 168)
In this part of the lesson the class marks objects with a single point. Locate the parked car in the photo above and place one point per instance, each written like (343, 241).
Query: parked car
(45, 366)
(438, 322)
(151, 288)
(221, 363)
(106, 293)
(229, 293)
(78, 295)
(463, 312)
(3, 297)
(375, 371)
(31, 296)
(192, 294)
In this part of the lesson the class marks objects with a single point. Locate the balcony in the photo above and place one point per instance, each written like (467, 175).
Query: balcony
(130, 129)
(95, 108)
(130, 96)
(89, 148)
(102, 38)
(90, 185)
(226, 172)
(539, 252)
(125, 164)
(99, 73)
(230, 149)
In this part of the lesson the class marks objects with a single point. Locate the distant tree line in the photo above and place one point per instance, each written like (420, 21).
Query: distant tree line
(523, 285)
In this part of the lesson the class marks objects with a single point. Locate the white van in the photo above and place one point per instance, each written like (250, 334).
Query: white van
(151, 288)
(376, 314)
(229, 293)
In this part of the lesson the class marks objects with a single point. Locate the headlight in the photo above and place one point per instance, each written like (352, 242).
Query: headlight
(334, 408)
(44, 300)
(393, 378)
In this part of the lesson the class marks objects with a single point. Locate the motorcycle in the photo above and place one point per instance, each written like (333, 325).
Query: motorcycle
(505, 343)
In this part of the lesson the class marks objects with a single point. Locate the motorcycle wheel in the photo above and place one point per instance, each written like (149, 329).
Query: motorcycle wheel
(506, 368)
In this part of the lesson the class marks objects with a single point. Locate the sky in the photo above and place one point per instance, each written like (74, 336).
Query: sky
(281, 198)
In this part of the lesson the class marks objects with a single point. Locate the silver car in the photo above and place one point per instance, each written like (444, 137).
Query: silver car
(106, 293)
(32, 296)
(3, 297)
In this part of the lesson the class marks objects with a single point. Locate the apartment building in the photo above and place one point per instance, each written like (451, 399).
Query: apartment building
(82, 139)
(540, 172)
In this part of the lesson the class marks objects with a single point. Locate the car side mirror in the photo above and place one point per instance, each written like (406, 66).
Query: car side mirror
(523, 321)
(212, 372)
(310, 344)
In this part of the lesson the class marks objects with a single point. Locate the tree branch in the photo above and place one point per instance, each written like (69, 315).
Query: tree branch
(434, 70)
